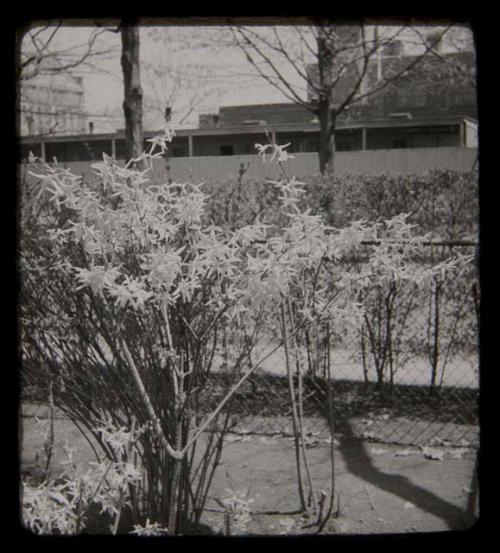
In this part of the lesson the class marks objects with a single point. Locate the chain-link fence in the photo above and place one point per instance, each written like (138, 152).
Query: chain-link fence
(408, 374)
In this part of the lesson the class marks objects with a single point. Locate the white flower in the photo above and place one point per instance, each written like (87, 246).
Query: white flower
(277, 151)
(262, 150)
(130, 291)
(151, 529)
(281, 153)
(161, 140)
(98, 278)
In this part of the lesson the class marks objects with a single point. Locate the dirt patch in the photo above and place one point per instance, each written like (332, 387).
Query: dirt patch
(380, 487)
(378, 490)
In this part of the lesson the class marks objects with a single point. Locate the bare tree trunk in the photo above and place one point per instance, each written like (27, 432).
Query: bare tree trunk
(326, 139)
(132, 102)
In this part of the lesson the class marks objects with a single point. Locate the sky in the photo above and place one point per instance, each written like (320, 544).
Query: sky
(182, 67)
(193, 69)
(198, 76)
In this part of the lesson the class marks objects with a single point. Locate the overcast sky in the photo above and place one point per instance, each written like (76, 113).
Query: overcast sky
(180, 66)
(215, 77)
(190, 68)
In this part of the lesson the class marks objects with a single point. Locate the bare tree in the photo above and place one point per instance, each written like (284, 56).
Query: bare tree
(456, 65)
(180, 91)
(179, 72)
(334, 64)
(52, 56)
(46, 50)
(42, 52)
(132, 102)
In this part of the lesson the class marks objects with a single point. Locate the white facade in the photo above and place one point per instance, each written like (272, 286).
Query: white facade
(52, 105)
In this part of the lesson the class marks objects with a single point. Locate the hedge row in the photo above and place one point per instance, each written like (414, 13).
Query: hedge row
(442, 202)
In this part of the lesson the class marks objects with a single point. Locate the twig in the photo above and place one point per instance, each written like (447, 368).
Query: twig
(300, 412)
(149, 407)
(114, 528)
(231, 392)
(295, 422)
(49, 444)
(369, 499)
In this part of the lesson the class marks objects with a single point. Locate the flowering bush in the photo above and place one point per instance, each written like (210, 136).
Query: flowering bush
(443, 202)
(62, 506)
(127, 292)
(237, 514)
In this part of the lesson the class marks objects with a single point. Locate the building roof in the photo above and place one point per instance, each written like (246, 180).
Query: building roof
(272, 114)
(383, 122)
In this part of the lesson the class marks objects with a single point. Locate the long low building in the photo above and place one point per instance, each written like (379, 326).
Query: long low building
(396, 133)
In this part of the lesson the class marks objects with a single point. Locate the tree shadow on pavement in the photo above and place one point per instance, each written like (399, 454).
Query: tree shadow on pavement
(359, 463)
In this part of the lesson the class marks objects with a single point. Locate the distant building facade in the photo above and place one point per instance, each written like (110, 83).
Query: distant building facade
(374, 134)
(441, 83)
(52, 105)
(432, 106)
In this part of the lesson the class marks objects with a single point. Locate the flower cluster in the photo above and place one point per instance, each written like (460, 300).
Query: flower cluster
(61, 506)
(238, 513)
(150, 529)
(278, 153)
(142, 258)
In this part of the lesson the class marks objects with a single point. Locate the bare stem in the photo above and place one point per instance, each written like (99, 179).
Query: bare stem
(293, 402)
(300, 411)
(147, 402)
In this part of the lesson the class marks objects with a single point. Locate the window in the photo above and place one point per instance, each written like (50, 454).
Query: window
(226, 150)
(399, 143)
(179, 151)
(311, 144)
(29, 122)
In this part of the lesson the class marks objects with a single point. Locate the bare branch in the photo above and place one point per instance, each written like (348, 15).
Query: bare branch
(286, 89)
(433, 52)
(305, 41)
(387, 81)
(280, 49)
(58, 60)
(355, 88)
(49, 40)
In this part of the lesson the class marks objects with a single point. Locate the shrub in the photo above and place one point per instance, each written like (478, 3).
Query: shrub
(132, 296)
(443, 202)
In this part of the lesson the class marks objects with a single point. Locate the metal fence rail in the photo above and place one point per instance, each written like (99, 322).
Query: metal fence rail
(420, 385)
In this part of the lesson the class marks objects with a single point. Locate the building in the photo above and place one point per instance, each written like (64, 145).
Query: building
(427, 108)
(394, 131)
(52, 105)
(238, 142)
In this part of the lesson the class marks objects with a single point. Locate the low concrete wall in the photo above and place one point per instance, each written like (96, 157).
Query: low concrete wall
(369, 162)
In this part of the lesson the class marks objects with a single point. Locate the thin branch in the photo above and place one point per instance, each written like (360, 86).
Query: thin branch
(304, 41)
(57, 56)
(357, 85)
(288, 90)
(446, 61)
(393, 78)
(149, 407)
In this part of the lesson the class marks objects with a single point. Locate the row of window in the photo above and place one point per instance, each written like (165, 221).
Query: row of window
(91, 150)
(36, 121)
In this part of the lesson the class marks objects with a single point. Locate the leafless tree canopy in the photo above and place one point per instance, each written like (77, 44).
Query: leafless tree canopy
(335, 64)
(42, 53)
